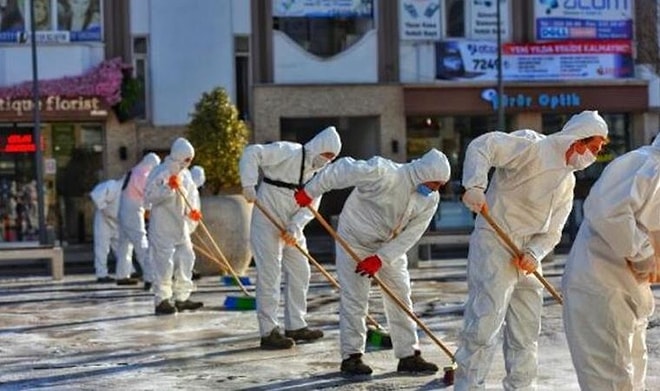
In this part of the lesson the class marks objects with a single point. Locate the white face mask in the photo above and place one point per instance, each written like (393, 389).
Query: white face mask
(319, 162)
(580, 162)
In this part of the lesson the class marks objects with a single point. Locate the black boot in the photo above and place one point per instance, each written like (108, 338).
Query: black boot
(275, 340)
(353, 365)
(304, 334)
(416, 364)
(188, 305)
(165, 308)
(127, 281)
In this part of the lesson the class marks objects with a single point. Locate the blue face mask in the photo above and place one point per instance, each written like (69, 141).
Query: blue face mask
(424, 190)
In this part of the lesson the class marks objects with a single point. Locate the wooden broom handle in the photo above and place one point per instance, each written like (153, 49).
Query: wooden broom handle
(311, 259)
(381, 284)
(516, 251)
(215, 245)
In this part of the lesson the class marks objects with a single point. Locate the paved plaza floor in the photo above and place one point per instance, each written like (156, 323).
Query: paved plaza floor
(77, 334)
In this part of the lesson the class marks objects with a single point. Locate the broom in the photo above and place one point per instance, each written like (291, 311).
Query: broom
(516, 251)
(449, 370)
(227, 280)
(376, 334)
(246, 302)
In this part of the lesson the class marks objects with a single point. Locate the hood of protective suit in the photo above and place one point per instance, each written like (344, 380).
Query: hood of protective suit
(433, 166)
(150, 160)
(327, 140)
(198, 175)
(583, 125)
(180, 151)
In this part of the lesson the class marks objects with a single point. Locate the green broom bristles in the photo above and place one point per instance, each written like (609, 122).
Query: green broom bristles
(240, 303)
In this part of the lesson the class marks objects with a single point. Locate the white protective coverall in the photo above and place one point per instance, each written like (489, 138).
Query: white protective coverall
(106, 196)
(282, 163)
(385, 216)
(169, 231)
(530, 196)
(132, 228)
(606, 310)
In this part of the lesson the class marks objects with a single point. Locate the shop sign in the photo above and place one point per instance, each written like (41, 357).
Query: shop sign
(322, 8)
(561, 60)
(55, 103)
(419, 20)
(541, 100)
(18, 143)
(583, 19)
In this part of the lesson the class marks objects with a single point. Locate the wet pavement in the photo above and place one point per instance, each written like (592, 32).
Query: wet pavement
(77, 334)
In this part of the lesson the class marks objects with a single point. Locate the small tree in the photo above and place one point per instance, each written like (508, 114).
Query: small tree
(219, 137)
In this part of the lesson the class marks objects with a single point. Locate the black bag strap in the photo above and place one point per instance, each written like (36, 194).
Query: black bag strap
(126, 179)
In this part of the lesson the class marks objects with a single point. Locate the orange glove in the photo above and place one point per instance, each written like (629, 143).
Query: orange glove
(644, 270)
(526, 263)
(147, 214)
(174, 182)
(195, 215)
(288, 238)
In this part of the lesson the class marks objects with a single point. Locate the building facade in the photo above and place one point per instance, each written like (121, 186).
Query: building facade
(119, 78)
(400, 77)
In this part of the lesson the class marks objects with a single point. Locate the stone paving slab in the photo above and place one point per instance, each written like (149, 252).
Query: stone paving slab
(77, 334)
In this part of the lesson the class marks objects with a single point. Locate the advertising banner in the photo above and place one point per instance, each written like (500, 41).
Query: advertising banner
(76, 21)
(484, 19)
(420, 20)
(583, 19)
(561, 60)
(322, 8)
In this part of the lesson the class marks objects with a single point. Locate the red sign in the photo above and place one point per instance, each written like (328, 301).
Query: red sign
(17, 143)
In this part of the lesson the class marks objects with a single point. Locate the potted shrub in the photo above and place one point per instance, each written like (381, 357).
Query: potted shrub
(132, 94)
(219, 137)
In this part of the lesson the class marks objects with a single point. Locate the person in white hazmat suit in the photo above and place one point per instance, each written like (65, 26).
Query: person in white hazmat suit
(106, 196)
(132, 228)
(530, 196)
(606, 281)
(285, 167)
(384, 216)
(169, 231)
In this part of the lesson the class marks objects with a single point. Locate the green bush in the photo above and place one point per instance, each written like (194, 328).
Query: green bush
(219, 137)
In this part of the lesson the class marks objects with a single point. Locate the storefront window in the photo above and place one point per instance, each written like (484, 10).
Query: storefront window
(72, 165)
(451, 135)
(18, 189)
(325, 29)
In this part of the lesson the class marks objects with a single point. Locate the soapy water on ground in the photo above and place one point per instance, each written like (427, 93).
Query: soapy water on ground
(77, 334)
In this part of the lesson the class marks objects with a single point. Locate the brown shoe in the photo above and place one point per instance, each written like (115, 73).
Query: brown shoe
(275, 341)
(354, 366)
(304, 334)
(165, 308)
(188, 305)
(127, 281)
(416, 364)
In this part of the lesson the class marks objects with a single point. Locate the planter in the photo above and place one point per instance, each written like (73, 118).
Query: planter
(227, 218)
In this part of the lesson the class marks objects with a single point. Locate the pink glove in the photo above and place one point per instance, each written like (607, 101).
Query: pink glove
(369, 266)
(302, 198)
